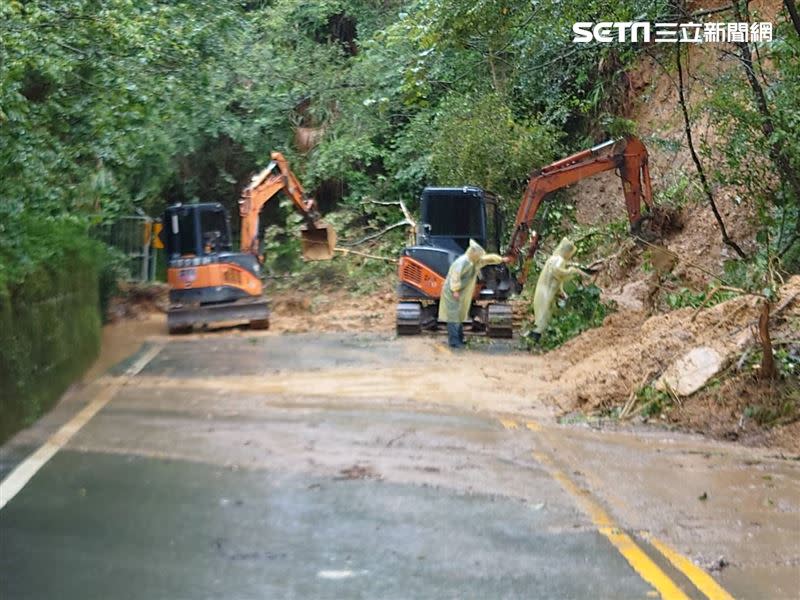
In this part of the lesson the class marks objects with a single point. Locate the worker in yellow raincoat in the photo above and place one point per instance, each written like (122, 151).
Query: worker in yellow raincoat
(554, 275)
(459, 287)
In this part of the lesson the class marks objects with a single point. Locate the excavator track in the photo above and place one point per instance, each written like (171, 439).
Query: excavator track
(409, 318)
(499, 320)
(256, 311)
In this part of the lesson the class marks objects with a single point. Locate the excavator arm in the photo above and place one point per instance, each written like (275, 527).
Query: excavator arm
(318, 239)
(628, 156)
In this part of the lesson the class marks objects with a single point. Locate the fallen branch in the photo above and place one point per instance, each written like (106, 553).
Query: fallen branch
(377, 235)
(688, 263)
(783, 305)
(673, 394)
(599, 264)
(632, 398)
(743, 358)
(721, 288)
(364, 254)
(406, 213)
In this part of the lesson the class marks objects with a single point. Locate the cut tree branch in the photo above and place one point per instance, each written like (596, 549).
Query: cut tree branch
(767, 370)
(375, 235)
(793, 14)
(696, 159)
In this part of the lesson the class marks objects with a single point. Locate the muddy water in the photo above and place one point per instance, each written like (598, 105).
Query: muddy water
(749, 514)
(122, 339)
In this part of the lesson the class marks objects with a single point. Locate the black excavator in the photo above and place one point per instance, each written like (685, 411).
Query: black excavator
(449, 218)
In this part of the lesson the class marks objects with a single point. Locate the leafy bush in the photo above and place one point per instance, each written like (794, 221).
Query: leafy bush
(653, 401)
(478, 141)
(781, 412)
(581, 311)
(685, 297)
(49, 317)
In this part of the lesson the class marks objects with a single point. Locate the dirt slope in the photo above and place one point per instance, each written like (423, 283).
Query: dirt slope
(630, 350)
(653, 98)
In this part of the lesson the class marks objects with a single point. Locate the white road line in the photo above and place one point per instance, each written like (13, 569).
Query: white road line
(340, 574)
(22, 474)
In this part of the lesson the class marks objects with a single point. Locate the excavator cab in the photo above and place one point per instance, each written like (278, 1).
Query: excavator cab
(208, 281)
(196, 230)
(449, 218)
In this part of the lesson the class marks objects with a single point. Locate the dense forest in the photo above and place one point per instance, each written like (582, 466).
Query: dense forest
(107, 107)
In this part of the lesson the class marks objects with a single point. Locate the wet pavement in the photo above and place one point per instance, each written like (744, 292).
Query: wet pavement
(361, 466)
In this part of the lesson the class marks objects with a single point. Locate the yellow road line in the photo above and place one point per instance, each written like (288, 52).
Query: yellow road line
(22, 474)
(509, 424)
(702, 580)
(533, 426)
(636, 557)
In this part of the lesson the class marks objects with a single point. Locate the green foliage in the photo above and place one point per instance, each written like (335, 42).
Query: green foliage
(477, 140)
(49, 325)
(685, 297)
(581, 311)
(757, 143)
(653, 401)
(29, 241)
(588, 239)
(787, 361)
(677, 193)
(754, 275)
(96, 100)
(781, 403)
(111, 269)
(617, 127)
(784, 411)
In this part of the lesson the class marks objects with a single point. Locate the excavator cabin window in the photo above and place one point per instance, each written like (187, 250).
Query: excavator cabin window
(215, 230)
(453, 216)
(196, 230)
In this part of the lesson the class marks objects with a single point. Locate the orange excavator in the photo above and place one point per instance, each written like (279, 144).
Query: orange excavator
(451, 216)
(209, 282)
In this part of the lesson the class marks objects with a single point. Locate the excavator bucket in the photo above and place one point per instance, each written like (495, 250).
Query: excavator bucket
(317, 241)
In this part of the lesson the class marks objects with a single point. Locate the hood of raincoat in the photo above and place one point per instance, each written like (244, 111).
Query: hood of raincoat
(475, 252)
(565, 249)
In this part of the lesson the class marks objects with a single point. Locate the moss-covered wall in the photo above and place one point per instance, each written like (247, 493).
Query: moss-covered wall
(49, 334)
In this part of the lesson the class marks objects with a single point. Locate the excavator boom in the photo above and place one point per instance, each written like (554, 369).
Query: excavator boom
(318, 239)
(628, 156)
(423, 267)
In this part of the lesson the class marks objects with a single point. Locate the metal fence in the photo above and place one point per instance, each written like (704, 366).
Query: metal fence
(133, 237)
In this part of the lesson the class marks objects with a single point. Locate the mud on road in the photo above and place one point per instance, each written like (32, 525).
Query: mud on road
(220, 427)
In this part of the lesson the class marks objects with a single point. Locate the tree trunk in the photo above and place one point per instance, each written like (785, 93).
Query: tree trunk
(700, 171)
(793, 14)
(768, 360)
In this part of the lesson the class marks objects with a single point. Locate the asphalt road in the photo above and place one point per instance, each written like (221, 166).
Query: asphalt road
(318, 466)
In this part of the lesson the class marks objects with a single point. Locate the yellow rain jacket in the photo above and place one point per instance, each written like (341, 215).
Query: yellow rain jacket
(461, 278)
(551, 281)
